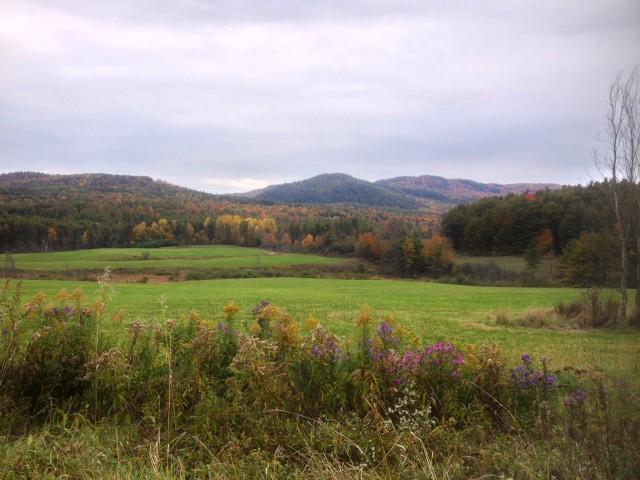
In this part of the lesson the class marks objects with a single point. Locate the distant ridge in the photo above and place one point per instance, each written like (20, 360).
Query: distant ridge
(399, 192)
(335, 188)
(432, 193)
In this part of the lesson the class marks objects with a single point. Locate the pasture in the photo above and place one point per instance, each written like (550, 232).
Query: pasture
(141, 259)
(431, 311)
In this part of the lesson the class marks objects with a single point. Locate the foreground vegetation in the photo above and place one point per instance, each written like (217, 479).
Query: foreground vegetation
(211, 395)
(432, 311)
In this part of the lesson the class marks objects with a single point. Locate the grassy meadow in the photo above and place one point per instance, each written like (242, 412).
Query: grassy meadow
(141, 259)
(155, 391)
(432, 311)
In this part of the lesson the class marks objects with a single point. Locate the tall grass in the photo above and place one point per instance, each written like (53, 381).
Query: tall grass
(190, 398)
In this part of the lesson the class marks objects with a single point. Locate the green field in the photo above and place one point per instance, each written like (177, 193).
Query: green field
(432, 311)
(191, 257)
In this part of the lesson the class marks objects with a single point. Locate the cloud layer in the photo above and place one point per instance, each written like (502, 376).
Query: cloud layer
(219, 95)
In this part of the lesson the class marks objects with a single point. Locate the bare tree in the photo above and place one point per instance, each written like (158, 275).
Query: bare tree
(631, 109)
(618, 160)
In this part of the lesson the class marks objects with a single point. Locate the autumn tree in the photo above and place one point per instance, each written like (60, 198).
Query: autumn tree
(586, 261)
(412, 261)
(308, 242)
(189, 232)
(369, 246)
(438, 253)
(285, 240)
(545, 245)
(139, 232)
(209, 226)
(52, 237)
(228, 229)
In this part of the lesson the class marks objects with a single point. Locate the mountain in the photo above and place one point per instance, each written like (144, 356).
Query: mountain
(426, 191)
(335, 188)
(455, 191)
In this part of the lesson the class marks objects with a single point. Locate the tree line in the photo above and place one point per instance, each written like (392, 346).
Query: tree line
(62, 212)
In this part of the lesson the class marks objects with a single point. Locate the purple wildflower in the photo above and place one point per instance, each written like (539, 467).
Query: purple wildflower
(444, 356)
(575, 399)
(385, 333)
(325, 346)
(524, 376)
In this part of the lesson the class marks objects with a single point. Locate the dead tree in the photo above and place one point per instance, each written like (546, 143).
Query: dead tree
(614, 162)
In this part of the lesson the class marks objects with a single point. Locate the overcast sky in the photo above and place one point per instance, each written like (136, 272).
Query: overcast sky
(231, 95)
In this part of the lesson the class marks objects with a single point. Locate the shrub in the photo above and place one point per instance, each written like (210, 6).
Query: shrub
(591, 310)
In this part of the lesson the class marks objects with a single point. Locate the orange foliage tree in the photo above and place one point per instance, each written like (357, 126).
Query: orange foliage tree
(438, 253)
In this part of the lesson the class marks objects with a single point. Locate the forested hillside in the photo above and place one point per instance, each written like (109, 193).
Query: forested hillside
(59, 212)
(575, 225)
(427, 192)
(508, 225)
(455, 191)
(336, 188)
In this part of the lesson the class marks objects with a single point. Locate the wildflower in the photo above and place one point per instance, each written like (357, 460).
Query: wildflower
(386, 334)
(458, 360)
(524, 376)
(230, 311)
(575, 399)
(136, 328)
(444, 355)
(325, 345)
(365, 316)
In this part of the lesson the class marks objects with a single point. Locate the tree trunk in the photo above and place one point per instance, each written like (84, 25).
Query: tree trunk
(622, 239)
(638, 276)
(637, 253)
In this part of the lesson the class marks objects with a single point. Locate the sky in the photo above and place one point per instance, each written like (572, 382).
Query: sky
(232, 95)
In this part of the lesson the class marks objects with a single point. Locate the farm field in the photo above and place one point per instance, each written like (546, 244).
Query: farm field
(432, 311)
(191, 257)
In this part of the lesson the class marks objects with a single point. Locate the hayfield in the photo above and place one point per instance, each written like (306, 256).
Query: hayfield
(191, 257)
(432, 311)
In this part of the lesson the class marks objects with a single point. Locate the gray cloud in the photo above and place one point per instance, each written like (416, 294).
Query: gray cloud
(223, 95)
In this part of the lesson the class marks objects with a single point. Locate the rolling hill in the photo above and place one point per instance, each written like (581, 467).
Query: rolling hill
(400, 192)
(335, 188)
(455, 191)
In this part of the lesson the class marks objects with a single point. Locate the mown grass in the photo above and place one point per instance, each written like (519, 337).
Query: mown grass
(192, 257)
(432, 311)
